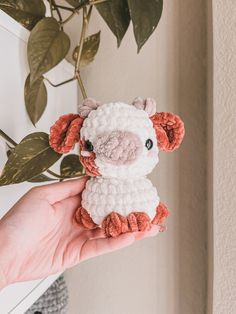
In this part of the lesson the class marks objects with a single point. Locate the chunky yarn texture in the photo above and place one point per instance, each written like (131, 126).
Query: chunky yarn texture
(119, 146)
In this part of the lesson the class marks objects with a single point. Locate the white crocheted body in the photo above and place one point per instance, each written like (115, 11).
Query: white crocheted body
(122, 117)
(105, 195)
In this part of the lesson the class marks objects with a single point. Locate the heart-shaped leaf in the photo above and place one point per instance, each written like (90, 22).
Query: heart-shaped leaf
(30, 158)
(26, 12)
(90, 48)
(40, 178)
(116, 14)
(47, 46)
(145, 16)
(76, 3)
(35, 99)
(71, 166)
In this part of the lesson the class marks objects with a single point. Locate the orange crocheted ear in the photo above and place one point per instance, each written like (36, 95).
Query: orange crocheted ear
(64, 133)
(169, 130)
(88, 105)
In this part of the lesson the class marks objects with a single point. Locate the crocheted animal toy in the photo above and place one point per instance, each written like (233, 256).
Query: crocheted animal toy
(119, 146)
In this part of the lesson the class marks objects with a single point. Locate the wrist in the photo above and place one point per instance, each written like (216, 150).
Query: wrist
(3, 282)
(4, 258)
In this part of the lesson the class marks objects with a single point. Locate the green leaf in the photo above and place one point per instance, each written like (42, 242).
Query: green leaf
(31, 157)
(76, 3)
(116, 14)
(35, 99)
(145, 16)
(71, 166)
(26, 12)
(9, 150)
(8, 153)
(41, 178)
(47, 46)
(90, 48)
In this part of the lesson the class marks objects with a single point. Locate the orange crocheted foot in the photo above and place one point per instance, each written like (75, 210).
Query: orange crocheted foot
(139, 221)
(115, 224)
(161, 215)
(83, 218)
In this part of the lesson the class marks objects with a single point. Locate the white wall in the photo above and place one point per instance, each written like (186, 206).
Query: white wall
(167, 274)
(15, 122)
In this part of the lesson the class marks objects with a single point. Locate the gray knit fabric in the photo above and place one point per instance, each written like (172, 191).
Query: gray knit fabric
(53, 301)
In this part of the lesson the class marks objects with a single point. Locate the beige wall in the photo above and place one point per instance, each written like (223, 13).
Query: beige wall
(167, 274)
(224, 156)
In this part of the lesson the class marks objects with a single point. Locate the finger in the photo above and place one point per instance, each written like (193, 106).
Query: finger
(99, 233)
(96, 233)
(69, 205)
(147, 234)
(96, 247)
(56, 192)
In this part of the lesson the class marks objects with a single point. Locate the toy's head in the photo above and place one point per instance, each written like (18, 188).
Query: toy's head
(117, 139)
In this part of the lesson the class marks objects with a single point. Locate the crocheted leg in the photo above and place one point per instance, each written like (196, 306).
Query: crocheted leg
(161, 215)
(83, 218)
(139, 221)
(114, 224)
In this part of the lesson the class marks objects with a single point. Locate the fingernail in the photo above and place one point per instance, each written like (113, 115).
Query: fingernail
(139, 235)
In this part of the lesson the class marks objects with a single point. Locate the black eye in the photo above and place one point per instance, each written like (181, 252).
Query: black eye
(149, 144)
(88, 146)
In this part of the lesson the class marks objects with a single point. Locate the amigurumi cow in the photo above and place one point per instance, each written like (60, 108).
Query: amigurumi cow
(119, 145)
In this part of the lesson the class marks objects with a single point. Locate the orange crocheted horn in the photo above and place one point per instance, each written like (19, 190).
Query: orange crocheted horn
(64, 133)
(169, 130)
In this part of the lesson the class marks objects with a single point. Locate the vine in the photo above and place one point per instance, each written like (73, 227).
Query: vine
(47, 46)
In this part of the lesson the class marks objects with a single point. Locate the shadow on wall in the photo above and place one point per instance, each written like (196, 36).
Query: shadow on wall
(193, 157)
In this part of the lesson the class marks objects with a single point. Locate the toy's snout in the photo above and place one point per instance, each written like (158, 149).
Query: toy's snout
(118, 147)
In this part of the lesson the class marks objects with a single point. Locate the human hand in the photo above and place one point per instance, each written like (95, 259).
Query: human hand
(39, 237)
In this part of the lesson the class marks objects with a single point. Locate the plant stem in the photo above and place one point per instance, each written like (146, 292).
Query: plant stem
(82, 38)
(7, 138)
(69, 18)
(86, 18)
(81, 85)
(62, 177)
(51, 9)
(89, 2)
(81, 44)
(60, 84)
(89, 12)
(52, 173)
(64, 8)
(82, 5)
(97, 2)
(79, 7)
(55, 7)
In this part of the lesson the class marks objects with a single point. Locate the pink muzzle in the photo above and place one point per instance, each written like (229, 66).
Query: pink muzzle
(118, 147)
